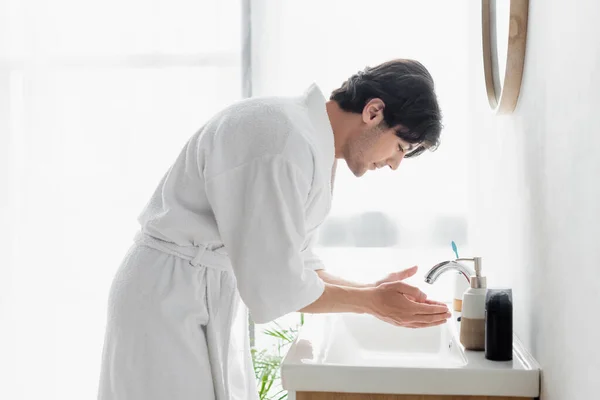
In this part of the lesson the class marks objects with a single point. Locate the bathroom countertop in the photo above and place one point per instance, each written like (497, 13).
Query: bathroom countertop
(323, 359)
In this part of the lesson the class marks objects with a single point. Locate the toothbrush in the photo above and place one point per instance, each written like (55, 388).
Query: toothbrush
(455, 249)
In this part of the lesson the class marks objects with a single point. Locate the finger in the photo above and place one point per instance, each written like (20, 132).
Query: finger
(421, 308)
(433, 302)
(391, 321)
(418, 325)
(410, 290)
(427, 301)
(425, 325)
(431, 318)
(407, 273)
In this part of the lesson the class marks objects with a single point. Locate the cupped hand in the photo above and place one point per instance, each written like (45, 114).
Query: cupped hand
(404, 305)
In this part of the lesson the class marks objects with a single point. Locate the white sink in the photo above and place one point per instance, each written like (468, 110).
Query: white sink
(351, 353)
(363, 340)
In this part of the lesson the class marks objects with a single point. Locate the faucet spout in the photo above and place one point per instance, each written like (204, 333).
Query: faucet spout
(438, 269)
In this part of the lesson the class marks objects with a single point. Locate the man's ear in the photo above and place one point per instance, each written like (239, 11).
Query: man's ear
(373, 112)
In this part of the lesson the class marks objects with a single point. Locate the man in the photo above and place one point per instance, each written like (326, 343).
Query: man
(237, 214)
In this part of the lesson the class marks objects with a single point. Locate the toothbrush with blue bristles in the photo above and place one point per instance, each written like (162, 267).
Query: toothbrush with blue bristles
(455, 249)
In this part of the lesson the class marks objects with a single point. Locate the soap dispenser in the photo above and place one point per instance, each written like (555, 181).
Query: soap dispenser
(472, 322)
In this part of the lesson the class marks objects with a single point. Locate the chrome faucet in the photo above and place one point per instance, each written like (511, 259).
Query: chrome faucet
(438, 269)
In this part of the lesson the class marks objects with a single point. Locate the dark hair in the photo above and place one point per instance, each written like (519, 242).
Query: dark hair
(407, 89)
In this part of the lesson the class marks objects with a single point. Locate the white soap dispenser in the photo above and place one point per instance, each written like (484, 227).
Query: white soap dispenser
(460, 287)
(472, 322)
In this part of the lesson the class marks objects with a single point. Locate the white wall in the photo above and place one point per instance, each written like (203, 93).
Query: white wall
(328, 41)
(535, 202)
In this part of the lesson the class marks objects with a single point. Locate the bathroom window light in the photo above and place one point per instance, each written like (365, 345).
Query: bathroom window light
(96, 100)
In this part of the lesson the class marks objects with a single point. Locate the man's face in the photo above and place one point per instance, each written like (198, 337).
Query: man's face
(375, 147)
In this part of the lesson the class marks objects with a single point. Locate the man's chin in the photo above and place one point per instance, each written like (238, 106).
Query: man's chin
(358, 169)
(359, 172)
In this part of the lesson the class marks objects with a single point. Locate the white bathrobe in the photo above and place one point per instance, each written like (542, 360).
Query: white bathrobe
(235, 216)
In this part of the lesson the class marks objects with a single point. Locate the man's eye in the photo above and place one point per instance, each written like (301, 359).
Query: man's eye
(400, 149)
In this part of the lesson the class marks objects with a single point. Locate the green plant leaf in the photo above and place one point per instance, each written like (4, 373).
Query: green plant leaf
(283, 396)
(286, 335)
(267, 362)
(276, 334)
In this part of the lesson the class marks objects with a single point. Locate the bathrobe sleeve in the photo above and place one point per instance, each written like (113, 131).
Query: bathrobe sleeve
(311, 260)
(259, 208)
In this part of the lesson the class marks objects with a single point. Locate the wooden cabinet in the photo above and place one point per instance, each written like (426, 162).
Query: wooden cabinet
(362, 396)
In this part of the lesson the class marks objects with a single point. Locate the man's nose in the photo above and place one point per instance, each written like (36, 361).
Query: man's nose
(395, 162)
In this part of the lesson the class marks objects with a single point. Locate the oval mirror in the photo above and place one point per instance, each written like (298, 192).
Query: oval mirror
(504, 34)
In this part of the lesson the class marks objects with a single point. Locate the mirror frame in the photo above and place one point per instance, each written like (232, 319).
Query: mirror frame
(505, 101)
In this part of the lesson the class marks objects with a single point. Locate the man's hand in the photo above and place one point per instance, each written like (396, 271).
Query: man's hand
(403, 305)
(398, 276)
(402, 275)
(389, 299)
(414, 296)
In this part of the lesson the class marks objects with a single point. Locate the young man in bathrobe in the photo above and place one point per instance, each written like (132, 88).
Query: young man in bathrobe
(236, 216)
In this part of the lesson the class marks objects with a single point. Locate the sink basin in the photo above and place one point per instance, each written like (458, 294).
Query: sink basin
(351, 353)
(363, 340)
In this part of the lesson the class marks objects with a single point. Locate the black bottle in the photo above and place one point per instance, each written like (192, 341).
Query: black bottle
(499, 325)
